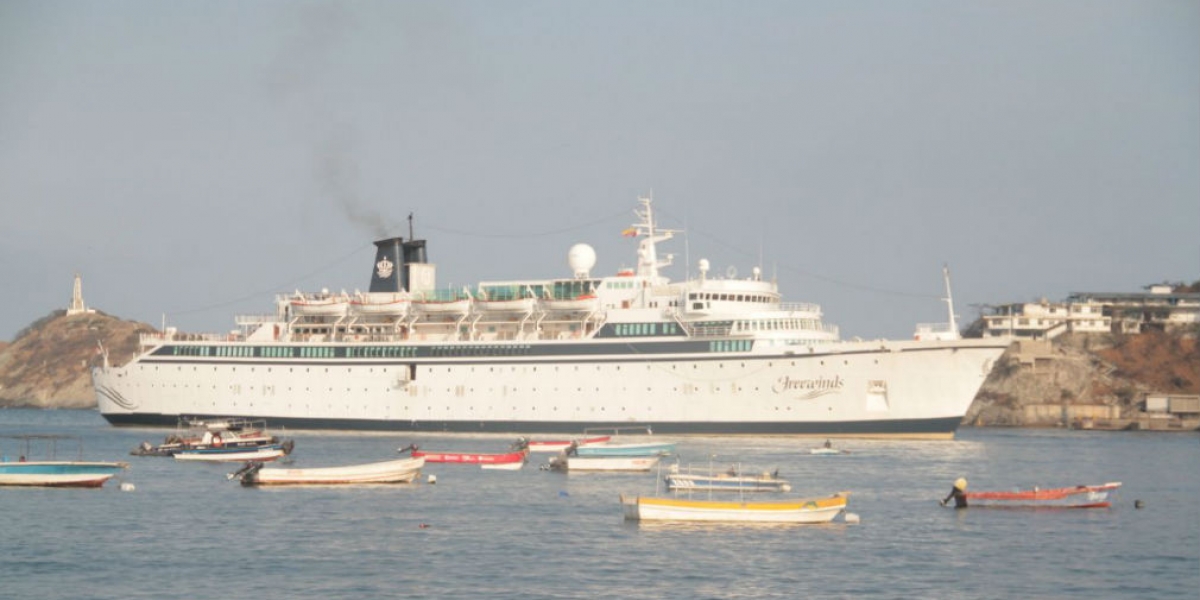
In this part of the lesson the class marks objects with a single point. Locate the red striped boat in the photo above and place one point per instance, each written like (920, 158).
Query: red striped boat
(560, 445)
(1080, 496)
(516, 457)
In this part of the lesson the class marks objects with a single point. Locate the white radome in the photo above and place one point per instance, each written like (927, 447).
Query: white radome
(581, 258)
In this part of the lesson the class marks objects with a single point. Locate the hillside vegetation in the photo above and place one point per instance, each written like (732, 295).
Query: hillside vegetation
(48, 364)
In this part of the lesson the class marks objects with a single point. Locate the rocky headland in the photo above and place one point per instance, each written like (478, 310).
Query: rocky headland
(49, 363)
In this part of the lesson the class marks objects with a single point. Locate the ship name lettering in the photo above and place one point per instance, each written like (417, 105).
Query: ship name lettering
(817, 384)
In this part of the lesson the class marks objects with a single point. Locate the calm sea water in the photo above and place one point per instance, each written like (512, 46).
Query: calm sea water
(188, 531)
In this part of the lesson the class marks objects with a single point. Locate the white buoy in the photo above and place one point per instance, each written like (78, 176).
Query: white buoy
(127, 487)
(431, 478)
(851, 518)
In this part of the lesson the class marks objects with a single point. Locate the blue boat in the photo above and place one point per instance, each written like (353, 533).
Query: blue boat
(264, 453)
(635, 449)
(613, 447)
(733, 480)
(54, 473)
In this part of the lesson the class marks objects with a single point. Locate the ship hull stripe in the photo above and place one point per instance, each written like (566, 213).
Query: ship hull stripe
(915, 427)
(162, 358)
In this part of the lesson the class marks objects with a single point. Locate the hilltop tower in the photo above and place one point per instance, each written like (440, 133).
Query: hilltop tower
(77, 307)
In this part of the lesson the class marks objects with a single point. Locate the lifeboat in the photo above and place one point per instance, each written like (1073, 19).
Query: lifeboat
(442, 304)
(387, 303)
(583, 302)
(320, 306)
(510, 305)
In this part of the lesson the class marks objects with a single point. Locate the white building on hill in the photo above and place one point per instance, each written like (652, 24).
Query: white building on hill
(1088, 312)
(1046, 320)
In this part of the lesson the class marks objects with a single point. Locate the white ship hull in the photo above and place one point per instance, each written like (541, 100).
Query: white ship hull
(919, 389)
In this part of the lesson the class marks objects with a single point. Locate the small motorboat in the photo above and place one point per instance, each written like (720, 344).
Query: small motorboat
(404, 470)
(53, 472)
(732, 480)
(827, 450)
(578, 464)
(560, 445)
(629, 449)
(802, 510)
(1079, 496)
(615, 446)
(515, 465)
(512, 460)
(196, 433)
(226, 454)
(49, 473)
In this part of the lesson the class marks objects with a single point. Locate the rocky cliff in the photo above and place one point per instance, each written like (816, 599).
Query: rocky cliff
(1037, 382)
(48, 366)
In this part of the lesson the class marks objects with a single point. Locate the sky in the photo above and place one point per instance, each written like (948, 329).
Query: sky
(192, 160)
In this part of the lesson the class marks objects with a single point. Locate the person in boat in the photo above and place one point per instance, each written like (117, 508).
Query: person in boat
(828, 444)
(958, 492)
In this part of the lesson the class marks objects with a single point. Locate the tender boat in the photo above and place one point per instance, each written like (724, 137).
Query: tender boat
(389, 304)
(442, 302)
(581, 303)
(804, 510)
(403, 470)
(1080, 496)
(512, 299)
(194, 434)
(224, 454)
(733, 480)
(322, 304)
(54, 473)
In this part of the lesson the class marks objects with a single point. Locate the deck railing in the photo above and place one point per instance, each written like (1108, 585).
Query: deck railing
(803, 307)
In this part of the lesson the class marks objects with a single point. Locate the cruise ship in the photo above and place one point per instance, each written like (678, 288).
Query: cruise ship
(714, 354)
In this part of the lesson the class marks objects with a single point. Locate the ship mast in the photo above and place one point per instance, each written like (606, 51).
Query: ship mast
(949, 299)
(648, 261)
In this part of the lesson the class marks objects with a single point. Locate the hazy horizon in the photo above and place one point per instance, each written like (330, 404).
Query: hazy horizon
(196, 159)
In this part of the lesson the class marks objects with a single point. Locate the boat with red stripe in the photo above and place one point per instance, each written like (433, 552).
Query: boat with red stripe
(515, 457)
(1079, 496)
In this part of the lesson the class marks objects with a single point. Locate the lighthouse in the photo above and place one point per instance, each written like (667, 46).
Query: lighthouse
(77, 307)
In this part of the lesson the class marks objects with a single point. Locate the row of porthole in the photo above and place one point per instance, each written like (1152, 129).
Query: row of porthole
(472, 390)
(492, 369)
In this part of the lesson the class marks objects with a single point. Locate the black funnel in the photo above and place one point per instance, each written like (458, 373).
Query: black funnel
(392, 257)
(385, 277)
